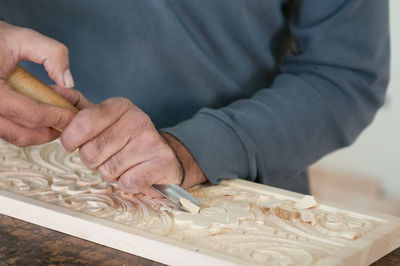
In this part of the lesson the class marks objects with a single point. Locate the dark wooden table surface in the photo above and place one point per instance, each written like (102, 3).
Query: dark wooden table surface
(22, 243)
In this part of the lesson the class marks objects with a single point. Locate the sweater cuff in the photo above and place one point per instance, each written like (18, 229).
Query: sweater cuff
(214, 145)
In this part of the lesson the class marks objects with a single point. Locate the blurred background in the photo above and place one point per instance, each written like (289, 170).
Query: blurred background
(367, 174)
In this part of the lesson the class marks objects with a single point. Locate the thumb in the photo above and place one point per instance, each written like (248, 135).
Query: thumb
(52, 54)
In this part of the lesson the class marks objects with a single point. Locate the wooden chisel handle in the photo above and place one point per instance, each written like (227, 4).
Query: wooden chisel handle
(26, 83)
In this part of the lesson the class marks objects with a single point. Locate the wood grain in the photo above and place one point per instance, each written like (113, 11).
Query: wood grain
(23, 243)
(239, 222)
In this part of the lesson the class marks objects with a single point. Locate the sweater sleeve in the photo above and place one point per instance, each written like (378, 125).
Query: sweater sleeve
(321, 100)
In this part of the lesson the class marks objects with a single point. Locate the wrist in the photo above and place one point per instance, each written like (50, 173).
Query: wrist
(192, 173)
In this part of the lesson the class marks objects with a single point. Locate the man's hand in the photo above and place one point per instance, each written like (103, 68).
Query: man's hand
(116, 137)
(23, 121)
(120, 140)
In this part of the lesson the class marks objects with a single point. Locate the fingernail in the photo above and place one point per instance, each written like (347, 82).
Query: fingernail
(68, 80)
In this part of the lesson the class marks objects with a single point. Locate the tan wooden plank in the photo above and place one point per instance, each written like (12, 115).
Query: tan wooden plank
(240, 222)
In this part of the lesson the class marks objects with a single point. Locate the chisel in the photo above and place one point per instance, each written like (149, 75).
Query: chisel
(24, 82)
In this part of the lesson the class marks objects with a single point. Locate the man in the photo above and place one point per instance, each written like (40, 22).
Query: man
(217, 88)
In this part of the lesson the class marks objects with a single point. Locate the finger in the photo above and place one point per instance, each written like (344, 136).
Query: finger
(74, 96)
(130, 156)
(138, 179)
(40, 49)
(109, 142)
(143, 175)
(91, 121)
(22, 136)
(29, 113)
(149, 146)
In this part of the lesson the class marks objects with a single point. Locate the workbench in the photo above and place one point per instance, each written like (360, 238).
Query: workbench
(22, 243)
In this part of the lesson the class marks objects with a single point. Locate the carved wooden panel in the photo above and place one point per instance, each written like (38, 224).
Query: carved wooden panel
(239, 222)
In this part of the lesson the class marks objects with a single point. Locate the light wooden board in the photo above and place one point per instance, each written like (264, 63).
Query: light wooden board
(240, 222)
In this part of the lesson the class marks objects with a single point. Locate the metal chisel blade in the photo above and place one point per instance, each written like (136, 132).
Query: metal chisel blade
(174, 193)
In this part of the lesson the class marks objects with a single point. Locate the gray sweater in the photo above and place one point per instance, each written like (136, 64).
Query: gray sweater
(255, 89)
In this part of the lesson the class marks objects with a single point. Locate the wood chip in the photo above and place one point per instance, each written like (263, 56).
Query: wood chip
(306, 202)
(189, 206)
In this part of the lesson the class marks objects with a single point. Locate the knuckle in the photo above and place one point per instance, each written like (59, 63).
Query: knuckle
(34, 120)
(89, 154)
(152, 141)
(82, 122)
(141, 120)
(109, 107)
(103, 106)
(119, 105)
(117, 101)
(21, 141)
(123, 102)
(61, 49)
(63, 118)
(110, 168)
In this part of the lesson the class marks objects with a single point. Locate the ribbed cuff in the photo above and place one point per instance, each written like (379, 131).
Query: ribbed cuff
(214, 145)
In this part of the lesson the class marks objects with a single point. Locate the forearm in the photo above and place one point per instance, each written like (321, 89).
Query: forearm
(321, 100)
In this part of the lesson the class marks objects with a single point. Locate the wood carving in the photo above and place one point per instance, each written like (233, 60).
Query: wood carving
(252, 225)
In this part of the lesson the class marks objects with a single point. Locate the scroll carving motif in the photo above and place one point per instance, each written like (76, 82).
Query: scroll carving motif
(257, 227)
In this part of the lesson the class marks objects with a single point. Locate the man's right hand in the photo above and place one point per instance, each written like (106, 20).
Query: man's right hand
(24, 121)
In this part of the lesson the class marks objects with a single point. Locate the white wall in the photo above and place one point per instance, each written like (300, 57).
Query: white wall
(377, 151)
